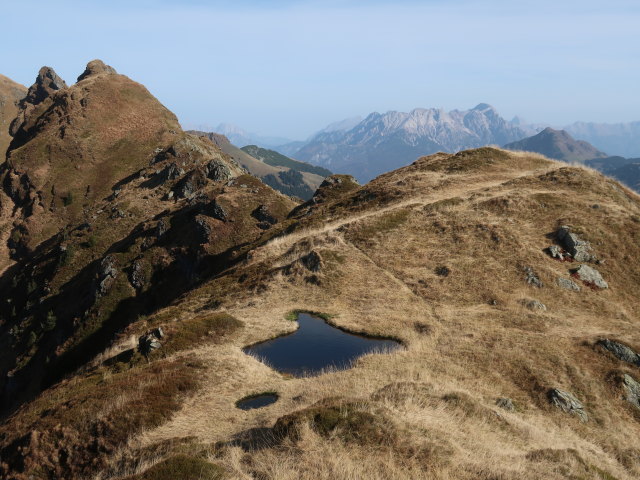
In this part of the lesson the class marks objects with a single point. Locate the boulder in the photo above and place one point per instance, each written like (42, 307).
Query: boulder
(218, 171)
(190, 184)
(531, 278)
(632, 389)
(107, 272)
(150, 341)
(568, 284)
(566, 402)
(171, 172)
(577, 248)
(556, 252)
(620, 351)
(589, 276)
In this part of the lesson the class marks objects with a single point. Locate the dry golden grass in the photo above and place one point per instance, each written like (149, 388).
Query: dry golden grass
(469, 340)
(481, 343)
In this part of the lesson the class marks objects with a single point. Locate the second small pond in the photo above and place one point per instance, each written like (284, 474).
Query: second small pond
(316, 346)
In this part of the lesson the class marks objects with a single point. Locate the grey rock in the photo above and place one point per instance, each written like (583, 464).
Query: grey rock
(506, 404)
(218, 171)
(632, 389)
(107, 273)
(312, 261)
(190, 184)
(568, 284)
(620, 351)
(556, 252)
(171, 172)
(590, 276)
(150, 341)
(579, 249)
(535, 305)
(566, 402)
(531, 278)
(137, 276)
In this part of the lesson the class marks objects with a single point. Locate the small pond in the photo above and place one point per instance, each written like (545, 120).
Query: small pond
(257, 401)
(315, 346)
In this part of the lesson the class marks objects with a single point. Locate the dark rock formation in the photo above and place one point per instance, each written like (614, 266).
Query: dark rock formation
(620, 351)
(96, 67)
(566, 402)
(47, 82)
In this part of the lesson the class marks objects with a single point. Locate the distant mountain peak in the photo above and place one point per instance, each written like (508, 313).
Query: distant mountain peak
(557, 144)
(46, 83)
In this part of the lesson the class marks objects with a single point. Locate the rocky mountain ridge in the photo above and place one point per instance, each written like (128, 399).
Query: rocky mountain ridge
(509, 279)
(382, 142)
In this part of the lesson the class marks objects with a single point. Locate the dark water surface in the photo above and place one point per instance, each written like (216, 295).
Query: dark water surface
(257, 401)
(316, 345)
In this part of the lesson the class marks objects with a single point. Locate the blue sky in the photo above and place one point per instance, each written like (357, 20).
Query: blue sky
(288, 68)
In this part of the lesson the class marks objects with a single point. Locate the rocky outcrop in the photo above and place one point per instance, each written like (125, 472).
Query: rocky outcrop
(107, 273)
(532, 278)
(620, 351)
(215, 210)
(150, 341)
(190, 184)
(96, 67)
(589, 276)
(47, 82)
(577, 248)
(568, 403)
(137, 276)
(218, 171)
(632, 390)
(568, 284)
(264, 217)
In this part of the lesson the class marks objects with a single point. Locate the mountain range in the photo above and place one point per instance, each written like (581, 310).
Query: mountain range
(382, 142)
(139, 262)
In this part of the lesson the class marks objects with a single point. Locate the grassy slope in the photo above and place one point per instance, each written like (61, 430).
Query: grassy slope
(484, 214)
(10, 93)
(271, 157)
(429, 409)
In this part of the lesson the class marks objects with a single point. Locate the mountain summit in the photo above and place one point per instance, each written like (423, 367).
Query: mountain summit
(383, 142)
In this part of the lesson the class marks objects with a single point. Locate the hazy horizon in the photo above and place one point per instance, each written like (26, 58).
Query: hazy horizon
(289, 68)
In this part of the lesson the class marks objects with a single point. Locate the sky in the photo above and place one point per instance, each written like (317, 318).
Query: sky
(288, 68)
